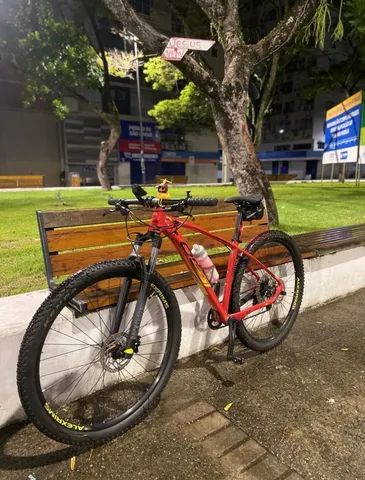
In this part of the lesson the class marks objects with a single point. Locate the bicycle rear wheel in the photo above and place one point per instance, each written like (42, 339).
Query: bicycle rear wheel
(72, 383)
(266, 328)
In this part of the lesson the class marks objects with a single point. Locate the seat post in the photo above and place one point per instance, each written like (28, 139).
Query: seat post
(237, 229)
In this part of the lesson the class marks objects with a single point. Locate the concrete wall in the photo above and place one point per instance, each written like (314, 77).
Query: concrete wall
(201, 172)
(327, 278)
(297, 167)
(204, 141)
(29, 145)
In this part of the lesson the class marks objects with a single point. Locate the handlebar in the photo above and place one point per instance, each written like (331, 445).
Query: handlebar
(201, 202)
(177, 204)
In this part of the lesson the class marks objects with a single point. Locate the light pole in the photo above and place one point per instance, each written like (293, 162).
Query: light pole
(141, 139)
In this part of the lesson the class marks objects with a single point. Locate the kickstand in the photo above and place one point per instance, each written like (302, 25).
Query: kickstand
(232, 325)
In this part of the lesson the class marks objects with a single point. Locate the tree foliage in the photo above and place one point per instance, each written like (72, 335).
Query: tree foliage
(161, 74)
(57, 55)
(177, 112)
(189, 108)
(57, 60)
(345, 66)
(59, 49)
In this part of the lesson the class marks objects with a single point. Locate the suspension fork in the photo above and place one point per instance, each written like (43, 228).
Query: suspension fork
(124, 291)
(146, 272)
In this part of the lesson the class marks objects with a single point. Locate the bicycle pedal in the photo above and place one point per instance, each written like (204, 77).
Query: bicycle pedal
(213, 320)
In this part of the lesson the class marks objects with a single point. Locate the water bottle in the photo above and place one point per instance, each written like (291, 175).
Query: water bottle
(204, 261)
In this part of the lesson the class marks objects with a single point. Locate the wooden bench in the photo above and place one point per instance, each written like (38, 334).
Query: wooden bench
(16, 181)
(74, 239)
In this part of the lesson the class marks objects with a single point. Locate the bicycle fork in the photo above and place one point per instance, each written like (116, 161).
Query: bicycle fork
(133, 338)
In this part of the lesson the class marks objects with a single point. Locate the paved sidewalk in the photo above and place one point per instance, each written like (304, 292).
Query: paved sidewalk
(298, 413)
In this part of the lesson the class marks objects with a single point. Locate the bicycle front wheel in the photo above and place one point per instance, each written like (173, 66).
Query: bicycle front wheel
(267, 327)
(73, 384)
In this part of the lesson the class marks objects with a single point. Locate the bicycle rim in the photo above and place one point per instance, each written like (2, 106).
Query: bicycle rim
(80, 384)
(267, 327)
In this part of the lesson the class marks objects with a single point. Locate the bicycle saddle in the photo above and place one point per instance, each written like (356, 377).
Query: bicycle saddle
(253, 200)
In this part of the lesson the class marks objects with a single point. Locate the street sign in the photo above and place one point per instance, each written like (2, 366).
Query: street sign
(173, 54)
(178, 46)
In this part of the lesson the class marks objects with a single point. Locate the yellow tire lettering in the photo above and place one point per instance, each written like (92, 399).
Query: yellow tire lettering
(161, 296)
(61, 421)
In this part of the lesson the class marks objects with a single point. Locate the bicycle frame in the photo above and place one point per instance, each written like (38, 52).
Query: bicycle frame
(163, 224)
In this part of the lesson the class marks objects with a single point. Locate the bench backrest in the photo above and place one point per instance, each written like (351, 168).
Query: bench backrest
(74, 239)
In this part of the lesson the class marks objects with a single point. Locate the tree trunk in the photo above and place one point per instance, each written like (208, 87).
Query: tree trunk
(239, 150)
(106, 148)
(266, 98)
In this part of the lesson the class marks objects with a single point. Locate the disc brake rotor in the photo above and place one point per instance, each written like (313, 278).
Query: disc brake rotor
(115, 342)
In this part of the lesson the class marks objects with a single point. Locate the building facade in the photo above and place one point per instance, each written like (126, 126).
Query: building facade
(32, 141)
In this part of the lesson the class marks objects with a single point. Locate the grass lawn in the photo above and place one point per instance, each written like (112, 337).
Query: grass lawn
(302, 208)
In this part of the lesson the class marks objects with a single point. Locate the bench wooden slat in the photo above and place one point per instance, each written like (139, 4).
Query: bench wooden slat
(324, 240)
(99, 235)
(75, 239)
(91, 216)
(105, 234)
(67, 263)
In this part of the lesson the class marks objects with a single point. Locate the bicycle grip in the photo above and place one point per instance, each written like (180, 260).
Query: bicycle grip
(113, 201)
(201, 202)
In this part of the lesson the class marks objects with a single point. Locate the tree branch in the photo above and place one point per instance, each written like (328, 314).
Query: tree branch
(154, 42)
(266, 98)
(225, 19)
(284, 31)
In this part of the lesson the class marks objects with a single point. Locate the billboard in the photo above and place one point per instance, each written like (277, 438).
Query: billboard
(342, 131)
(129, 142)
(362, 136)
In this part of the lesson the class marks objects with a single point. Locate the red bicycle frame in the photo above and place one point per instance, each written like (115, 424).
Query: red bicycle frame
(163, 224)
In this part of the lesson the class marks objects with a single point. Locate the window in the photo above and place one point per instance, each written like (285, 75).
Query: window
(122, 100)
(177, 25)
(302, 146)
(142, 6)
(281, 148)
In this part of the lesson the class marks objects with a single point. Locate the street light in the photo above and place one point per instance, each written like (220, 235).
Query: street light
(141, 139)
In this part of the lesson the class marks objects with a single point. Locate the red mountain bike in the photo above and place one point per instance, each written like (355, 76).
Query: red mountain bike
(102, 346)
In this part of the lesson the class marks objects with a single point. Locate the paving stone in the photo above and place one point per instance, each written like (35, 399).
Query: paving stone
(294, 476)
(193, 412)
(207, 425)
(224, 440)
(242, 457)
(269, 468)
